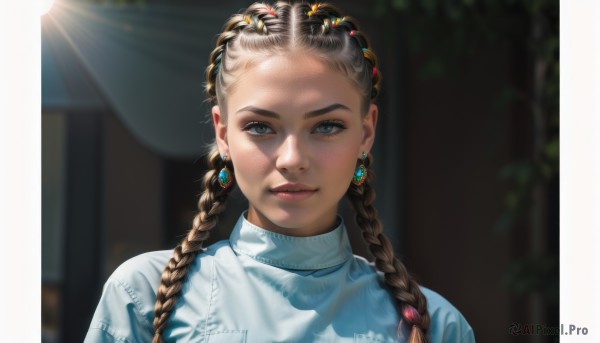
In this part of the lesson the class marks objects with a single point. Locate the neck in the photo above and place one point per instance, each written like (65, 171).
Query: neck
(294, 227)
(284, 251)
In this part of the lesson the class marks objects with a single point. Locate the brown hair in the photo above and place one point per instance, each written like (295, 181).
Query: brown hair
(320, 30)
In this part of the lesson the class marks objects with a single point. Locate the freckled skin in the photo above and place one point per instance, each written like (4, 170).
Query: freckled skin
(293, 148)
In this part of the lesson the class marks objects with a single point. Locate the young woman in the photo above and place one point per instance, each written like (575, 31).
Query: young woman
(293, 89)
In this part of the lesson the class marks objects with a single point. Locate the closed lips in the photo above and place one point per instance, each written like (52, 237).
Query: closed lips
(293, 188)
(290, 190)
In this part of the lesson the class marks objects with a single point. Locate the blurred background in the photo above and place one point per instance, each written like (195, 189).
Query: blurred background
(466, 157)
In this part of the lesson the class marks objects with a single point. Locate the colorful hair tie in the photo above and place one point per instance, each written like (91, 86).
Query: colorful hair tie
(336, 21)
(353, 33)
(313, 10)
(270, 10)
(411, 314)
(247, 19)
(365, 52)
(374, 72)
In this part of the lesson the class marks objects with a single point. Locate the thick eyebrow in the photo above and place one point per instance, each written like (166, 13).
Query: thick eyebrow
(324, 110)
(260, 111)
(307, 115)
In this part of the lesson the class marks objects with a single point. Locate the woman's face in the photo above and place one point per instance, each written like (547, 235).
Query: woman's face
(294, 131)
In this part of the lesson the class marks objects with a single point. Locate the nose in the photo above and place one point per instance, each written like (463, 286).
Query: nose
(292, 155)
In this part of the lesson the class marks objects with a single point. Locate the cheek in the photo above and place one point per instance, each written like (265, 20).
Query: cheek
(248, 159)
(339, 163)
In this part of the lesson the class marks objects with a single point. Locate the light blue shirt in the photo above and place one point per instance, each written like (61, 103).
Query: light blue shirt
(260, 286)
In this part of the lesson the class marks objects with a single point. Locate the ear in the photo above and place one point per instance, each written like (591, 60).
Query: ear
(368, 125)
(220, 130)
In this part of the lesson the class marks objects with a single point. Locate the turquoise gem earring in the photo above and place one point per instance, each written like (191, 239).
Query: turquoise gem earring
(360, 174)
(225, 178)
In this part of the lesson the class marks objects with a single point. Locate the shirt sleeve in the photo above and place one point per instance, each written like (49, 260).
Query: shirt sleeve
(118, 317)
(448, 325)
(468, 337)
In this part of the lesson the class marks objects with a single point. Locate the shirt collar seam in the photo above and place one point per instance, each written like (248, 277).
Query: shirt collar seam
(342, 259)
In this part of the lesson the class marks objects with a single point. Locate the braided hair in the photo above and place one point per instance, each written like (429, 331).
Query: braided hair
(211, 203)
(321, 30)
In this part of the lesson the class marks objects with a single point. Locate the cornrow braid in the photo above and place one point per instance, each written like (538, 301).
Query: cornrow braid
(233, 26)
(257, 18)
(211, 203)
(328, 19)
(263, 12)
(411, 303)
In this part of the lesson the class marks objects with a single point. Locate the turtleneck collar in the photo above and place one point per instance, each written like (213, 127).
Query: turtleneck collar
(290, 252)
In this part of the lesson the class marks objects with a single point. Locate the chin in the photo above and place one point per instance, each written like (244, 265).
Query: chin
(290, 219)
(297, 222)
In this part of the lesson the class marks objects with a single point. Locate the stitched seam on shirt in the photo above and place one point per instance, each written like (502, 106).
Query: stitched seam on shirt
(212, 289)
(104, 327)
(228, 331)
(291, 265)
(136, 301)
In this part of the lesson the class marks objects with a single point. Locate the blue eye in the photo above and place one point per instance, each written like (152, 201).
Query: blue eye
(257, 128)
(330, 127)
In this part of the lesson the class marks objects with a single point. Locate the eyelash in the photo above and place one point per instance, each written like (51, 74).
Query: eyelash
(337, 124)
(254, 124)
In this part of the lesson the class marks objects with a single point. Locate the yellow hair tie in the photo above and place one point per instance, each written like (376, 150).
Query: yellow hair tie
(248, 20)
(313, 9)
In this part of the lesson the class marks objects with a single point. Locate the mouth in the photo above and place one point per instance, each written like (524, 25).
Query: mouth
(293, 192)
(293, 188)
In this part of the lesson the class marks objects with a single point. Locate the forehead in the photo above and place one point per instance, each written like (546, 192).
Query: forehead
(291, 82)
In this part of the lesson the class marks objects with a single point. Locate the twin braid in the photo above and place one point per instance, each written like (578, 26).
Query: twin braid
(256, 18)
(328, 18)
(211, 203)
(411, 302)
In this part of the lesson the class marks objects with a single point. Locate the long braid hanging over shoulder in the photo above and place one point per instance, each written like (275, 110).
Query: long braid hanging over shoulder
(211, 203)
(411, 302)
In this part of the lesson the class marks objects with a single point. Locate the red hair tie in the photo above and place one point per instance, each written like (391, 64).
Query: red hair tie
(270, 10)
(411, 314)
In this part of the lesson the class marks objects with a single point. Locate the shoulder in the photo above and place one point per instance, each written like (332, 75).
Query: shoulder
(141, 275)
(126, 308)
(447, 323)
(147, 268)
(143, 268)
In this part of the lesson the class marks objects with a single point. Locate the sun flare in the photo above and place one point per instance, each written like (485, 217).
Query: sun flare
(45, 6)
